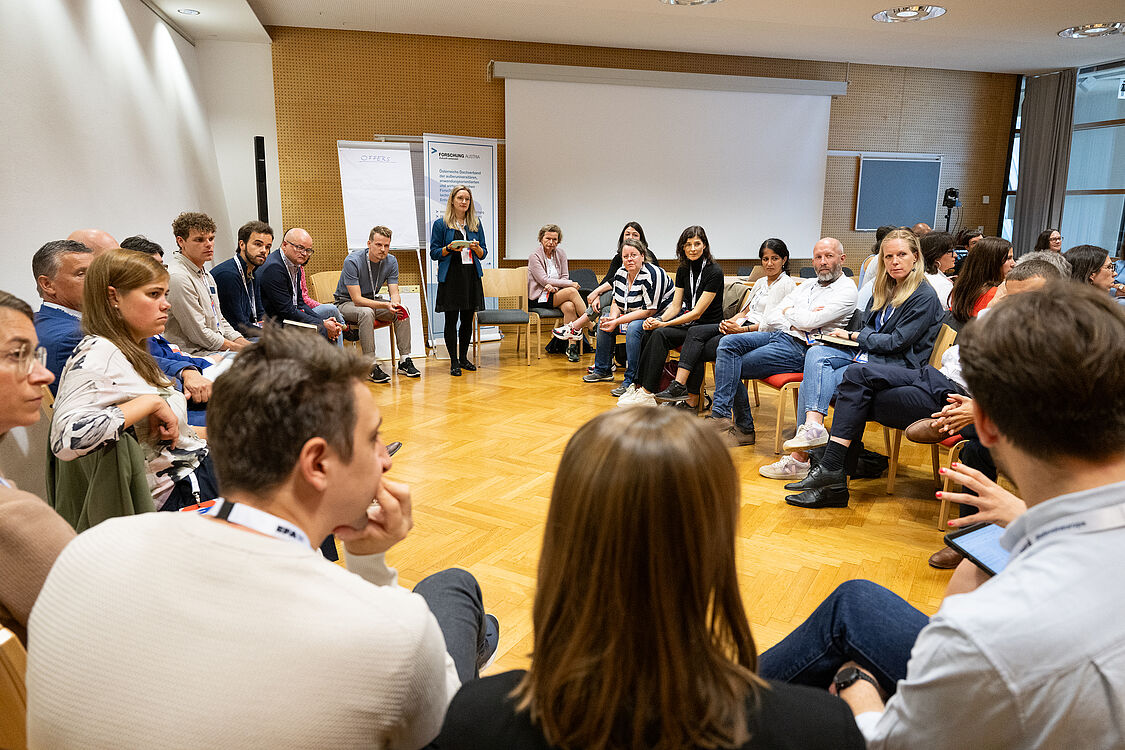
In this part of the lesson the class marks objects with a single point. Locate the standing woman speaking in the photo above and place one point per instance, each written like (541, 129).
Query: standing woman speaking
(459, 293)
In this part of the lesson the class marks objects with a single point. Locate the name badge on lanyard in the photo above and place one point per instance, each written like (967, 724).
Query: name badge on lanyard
(694, 284)
(1100, 519)
(249, 292)
(256, 520)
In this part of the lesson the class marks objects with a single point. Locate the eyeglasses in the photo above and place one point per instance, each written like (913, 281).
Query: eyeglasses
(301, 248)
(25, 358)
(1057, 239)
(1111, 266)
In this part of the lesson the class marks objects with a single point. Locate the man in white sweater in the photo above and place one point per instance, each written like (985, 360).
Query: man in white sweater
(175, 630)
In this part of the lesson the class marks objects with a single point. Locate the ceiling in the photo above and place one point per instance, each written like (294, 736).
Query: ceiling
(986, 35)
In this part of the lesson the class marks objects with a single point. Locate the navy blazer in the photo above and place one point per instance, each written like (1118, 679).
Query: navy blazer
(442, 235)
(59, 332)
(234, 302)
(908, 338)
(277, 293)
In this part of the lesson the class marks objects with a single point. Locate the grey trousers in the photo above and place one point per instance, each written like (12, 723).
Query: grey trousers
(365, 318)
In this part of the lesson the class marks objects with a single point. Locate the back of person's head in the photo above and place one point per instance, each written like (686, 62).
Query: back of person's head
(881, 234)
(779, 247)
(1055, 389)
(124, 271)
(48, 259)
(1085, 261)
(1031, 269)
(191, 221)
(1058, 260)
(693, 232)
(983, 268)
(934, 245)
(282, 390)
(654, 647)
(142, 244)
(1043, 241)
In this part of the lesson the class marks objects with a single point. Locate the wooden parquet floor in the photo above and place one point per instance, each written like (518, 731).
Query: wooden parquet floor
(480, 453)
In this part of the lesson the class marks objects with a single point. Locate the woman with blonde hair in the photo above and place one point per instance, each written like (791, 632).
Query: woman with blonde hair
(641, 639)
(112, 384)
(457, 244)
(899, 327)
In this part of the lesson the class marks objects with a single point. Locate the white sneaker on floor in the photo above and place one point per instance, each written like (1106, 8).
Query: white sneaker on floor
(626, 398)
(788, 468)
(643, 398)
(808, 436)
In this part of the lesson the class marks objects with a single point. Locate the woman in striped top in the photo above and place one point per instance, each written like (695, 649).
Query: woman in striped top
(639, 290)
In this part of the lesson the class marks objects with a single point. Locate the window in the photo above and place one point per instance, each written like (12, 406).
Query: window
(1013, 167)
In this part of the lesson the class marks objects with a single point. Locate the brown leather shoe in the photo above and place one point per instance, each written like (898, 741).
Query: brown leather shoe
(923, 431)
(946, 558)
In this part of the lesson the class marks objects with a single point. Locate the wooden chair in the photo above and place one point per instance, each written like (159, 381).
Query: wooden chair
(323, 287)
(783, 383)
(13, 691)
(945, 338)
(507, 283)
(47, 405)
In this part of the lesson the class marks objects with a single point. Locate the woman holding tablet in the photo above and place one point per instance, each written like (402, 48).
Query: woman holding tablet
(457, 244)
(697, 300)
(651, 651)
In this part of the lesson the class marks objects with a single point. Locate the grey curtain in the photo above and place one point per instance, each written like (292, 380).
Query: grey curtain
(1046, 124)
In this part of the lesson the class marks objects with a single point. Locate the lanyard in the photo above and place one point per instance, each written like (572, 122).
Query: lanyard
(249, 294)
(1100, 519)
(5, 483)
(881, 318)
(694, 282)
(371, 276)
(257, 520)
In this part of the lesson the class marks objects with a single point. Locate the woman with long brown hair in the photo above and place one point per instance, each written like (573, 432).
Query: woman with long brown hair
(641, 639)
(112, 384)
(985, 268)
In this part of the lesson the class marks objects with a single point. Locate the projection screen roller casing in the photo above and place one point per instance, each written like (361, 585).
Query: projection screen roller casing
(589, 157)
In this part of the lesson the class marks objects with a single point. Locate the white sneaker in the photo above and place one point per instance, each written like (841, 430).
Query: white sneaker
(787, 468)
(626, 398)
(566, 333)
(808, 436)
(643, 398)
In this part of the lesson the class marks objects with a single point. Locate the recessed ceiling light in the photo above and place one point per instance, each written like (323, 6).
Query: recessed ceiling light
(909, 13)
(689, 2)
(1090, 30)
(188, 11)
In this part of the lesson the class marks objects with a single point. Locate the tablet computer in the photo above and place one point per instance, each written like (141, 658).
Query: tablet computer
(980, 543)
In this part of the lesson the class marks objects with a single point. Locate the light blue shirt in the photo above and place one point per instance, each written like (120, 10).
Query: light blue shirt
(1034, 658)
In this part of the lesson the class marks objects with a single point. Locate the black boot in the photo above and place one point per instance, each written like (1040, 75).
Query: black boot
(834, 496)
(818, 478)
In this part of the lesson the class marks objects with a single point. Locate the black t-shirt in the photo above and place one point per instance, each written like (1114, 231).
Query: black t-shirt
(709, 280)
(788, 717)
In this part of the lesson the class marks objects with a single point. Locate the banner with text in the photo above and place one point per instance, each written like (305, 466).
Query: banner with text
(377, 185)
(452, 160)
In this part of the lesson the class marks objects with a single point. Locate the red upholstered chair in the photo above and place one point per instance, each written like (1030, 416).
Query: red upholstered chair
(786, 382)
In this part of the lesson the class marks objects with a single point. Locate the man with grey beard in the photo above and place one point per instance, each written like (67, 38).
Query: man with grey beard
(780, 343)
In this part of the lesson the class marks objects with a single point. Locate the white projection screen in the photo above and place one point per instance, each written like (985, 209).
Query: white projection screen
(589, 157)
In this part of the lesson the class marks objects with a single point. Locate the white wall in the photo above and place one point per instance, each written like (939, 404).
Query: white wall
(106, 123)
(237, 92)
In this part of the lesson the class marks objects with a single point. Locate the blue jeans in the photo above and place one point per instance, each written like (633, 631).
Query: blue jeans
(326, 311)
(824, 369)
(606, 342)
(860, 621)
(454, 598)
(750, 356)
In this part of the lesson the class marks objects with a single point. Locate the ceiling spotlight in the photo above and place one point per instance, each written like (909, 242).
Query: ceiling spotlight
(1090, 30)
(188, 11)
(689, 2)
(909, 13)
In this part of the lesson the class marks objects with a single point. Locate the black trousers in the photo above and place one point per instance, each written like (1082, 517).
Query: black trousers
(654, 351)
(699, 348)
(889, 394)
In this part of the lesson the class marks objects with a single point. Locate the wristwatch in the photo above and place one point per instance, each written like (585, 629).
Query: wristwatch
(848, 676)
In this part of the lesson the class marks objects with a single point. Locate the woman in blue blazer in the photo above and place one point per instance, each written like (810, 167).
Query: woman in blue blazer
(459, 293)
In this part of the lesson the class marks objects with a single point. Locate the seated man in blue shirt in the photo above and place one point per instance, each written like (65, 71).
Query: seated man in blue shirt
(281, 285)
(240, 291)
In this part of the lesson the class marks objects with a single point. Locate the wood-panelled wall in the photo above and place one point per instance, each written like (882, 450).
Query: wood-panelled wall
(349, 85)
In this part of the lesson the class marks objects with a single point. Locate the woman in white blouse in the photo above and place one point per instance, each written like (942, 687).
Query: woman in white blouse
(937, 252)
(703, 341)
(112, 384)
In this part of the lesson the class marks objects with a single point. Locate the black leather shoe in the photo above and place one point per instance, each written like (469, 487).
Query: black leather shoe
(835, 496)
(467, 365)
(817, 478)
(455, 371)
